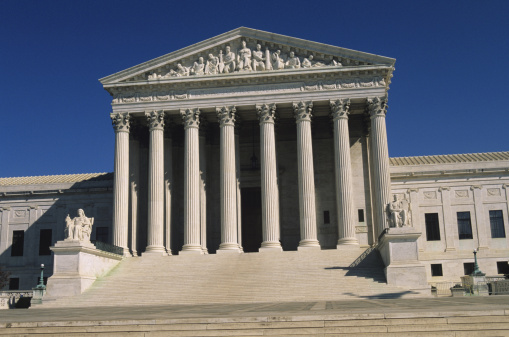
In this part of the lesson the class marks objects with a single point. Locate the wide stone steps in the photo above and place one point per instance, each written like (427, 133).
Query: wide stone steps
(451, 324)
(240, 278)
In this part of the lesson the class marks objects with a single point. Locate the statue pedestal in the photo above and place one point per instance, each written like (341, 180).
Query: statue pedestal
(77, 264)
(398, 248)
(475, 285)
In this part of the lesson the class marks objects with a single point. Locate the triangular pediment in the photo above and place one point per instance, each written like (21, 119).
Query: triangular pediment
(243, 51)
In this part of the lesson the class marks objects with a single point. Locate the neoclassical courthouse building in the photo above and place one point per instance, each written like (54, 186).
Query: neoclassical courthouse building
(257, 142)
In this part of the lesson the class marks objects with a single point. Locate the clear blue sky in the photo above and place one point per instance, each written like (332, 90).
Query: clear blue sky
(449, 92)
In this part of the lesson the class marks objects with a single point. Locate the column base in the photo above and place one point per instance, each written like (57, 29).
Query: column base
(309, 244)
(126, 253)
(348, 242)
(270, 246)
(228, 248)
(191, 250)
(155, 251)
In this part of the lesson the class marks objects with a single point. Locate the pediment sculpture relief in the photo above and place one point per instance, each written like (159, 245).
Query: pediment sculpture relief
(245, 59)
(399, 212)
(78, 228)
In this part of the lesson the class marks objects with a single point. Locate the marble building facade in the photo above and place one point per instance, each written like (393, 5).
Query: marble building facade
(256, 142)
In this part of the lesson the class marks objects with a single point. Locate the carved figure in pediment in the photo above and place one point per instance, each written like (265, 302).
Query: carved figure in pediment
(336, 63)
(79, 228)
(278, 61)
(181, 71)
(399, 212)
(198, 68)
(293, 62)
(244, 58)
(212, 66)
(258, 59)
(154, 76)
(227, 61)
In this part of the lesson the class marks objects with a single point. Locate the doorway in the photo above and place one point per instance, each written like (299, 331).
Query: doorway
(251, 207)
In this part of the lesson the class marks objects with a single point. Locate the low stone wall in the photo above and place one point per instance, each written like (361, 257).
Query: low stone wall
(9, 298)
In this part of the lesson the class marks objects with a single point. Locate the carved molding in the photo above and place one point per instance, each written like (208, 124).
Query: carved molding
(461, 193)
(226, 115)
(493, 192)
(190, 118)
(120, 122)
(340, 108)
(266, 112)
(474, 187)
(377, 107)
(303, 111)
(155, 119)
(414, 190)
(444, 188)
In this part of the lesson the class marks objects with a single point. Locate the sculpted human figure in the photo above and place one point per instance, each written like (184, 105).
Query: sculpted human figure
(293, 62)
(244, 58)
(198, 67)
(211, 68)
(79, 228)
(399, 212)
(277, 60)
(228, 61)
(258, 59)
(306, 62)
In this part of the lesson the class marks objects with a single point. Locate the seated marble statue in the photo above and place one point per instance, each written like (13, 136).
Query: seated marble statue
(227, 61)
(293, 62)
(258, 59)
(244, 58)
(78, 228)
(278, 60)
(198, 67)
(398, 212)
(211, 68)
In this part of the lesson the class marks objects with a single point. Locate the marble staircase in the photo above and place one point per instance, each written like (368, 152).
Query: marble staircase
(318, 275)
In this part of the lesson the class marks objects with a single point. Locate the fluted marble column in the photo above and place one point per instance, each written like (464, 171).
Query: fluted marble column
(237, 175)
(120, 123)
(191, 121)
(270, 193)
(229, 240)
(203, 185)
(168, 185)
(155, 231)
(307, 208)
(343, 169)
(377, 108)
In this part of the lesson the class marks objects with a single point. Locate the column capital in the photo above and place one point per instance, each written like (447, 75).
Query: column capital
(155, 120)
(190, 118)
(120, 121)
(266, 112)
(474, 187)
(302, 111)
(377, 106)
(444, 188)
(226, 115)
(340, 108)
(412, 190)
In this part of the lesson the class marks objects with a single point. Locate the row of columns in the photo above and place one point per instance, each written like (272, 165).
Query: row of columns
(194, 185)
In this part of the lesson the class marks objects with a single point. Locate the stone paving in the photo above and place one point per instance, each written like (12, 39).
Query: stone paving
(401, 307)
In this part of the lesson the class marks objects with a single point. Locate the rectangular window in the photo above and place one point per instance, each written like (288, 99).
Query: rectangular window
(436, 270)
(468, 268)
(101, 234)
(326, 217)
(14, 283)
(44, 242)
(464, 225)
(502, 267)
(497, 224)
(18, 242)
(432, 227)
(360, 214)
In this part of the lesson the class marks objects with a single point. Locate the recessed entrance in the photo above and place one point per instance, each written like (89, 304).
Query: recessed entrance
(251, 218)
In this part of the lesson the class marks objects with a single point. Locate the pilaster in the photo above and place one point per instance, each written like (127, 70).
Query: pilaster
(228, 180)
(155, 230)
(307, 208)
(270, 193)
(121, 125)
(343, 170)
(450, 230)
(481, 221)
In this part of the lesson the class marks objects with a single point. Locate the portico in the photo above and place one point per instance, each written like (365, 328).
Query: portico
(313, 140)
